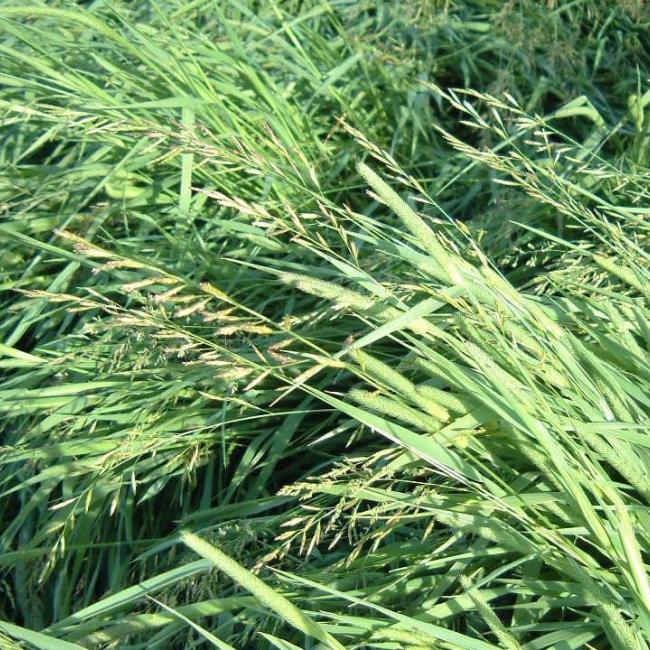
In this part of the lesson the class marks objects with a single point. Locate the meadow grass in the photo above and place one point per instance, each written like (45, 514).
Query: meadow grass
(325, 325)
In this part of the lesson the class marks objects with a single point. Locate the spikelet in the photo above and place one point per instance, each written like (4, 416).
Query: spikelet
(391, 408)
(83, 246)
(168, 295)
(347, 298)
(58, 297)
(617, 459)
(623, 273)
(493, 370)
(383, 373)
(428, 367)
(609, 611)
(252, 209)
(457, 404)
(387, 313)
(626, 635)
(614, 405)
(114, 264)
(286, 610)
(329, 290)
(522, 337)
(550, 375)
(530, 451)
(506, 640)
(191, 309)
(621, 326)
(130, 287)
(415, 224)
(223, 315)
(234, 373)
(432, 406)
(244, 328)
(214, 291)
(407, 639)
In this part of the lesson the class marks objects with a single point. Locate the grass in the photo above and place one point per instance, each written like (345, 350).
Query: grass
(325, 325)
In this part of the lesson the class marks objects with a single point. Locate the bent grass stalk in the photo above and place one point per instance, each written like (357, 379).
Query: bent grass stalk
(270, 598)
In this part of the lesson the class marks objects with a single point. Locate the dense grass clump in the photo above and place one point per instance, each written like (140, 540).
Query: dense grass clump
(325, 325)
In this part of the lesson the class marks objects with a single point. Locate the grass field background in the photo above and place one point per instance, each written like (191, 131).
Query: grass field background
(325, 325)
